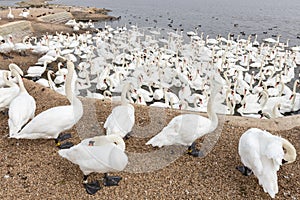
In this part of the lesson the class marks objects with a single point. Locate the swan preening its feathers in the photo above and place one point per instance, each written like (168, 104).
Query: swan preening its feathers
(263, 153)
(101, 154)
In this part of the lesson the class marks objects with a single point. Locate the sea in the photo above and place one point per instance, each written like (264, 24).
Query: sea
(266, 18)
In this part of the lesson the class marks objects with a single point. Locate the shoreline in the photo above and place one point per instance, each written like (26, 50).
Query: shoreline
(47, 18)
(31, 169)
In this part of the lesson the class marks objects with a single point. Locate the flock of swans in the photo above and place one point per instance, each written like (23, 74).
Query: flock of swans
(260, 79)
(134, 67)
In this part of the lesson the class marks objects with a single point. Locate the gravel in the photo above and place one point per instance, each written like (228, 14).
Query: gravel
(32, 169)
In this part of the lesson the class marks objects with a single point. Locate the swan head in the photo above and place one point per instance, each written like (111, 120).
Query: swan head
(289, 152)
(113, 139)
(13, 66)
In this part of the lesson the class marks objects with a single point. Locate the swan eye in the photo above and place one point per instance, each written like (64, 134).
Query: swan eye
(115, 143)
(284, 150)
(91, 143)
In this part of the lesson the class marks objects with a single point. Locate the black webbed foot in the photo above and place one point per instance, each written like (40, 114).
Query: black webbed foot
(244, 170)
(65, 145)
(92, 188)
(192, 150)
(111, 180)
(127, 136)
(63, 137)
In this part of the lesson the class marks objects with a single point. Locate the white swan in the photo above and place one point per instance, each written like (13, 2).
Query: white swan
(186, 128)
(7, 94)
(101, 154)
(10, 15)
(21, 108)
(7, 46)
(121, 119)
(37, 71)
(264, 153)
(50, 123)
(11, 66)
(25, 13)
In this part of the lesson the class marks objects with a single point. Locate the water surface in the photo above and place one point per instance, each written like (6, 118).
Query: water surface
(266, 18)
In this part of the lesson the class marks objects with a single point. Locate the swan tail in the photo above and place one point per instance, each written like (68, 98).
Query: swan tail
(161, 139)
(64, 153)
(269, 184)
(268, 178)
(13, 129)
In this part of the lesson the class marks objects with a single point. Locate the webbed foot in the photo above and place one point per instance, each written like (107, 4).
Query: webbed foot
(192, 150)
(92, 188)
(244, 170)
(63, 137)
(111, 180)
(65, 145)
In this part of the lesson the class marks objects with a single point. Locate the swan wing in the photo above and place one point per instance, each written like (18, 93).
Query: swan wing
(249, 151)
(262, 153)
(182, 129)
(268, 177)
(274, 152)
(191, 127)
(49, 124)
(168, 136)
(7, 95)
(102, 159)
(21, 109)
(121, 120)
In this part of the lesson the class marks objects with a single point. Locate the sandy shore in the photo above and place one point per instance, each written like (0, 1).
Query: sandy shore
(32, 169)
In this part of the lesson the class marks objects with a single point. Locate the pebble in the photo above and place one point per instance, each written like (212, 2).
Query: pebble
(6, 176)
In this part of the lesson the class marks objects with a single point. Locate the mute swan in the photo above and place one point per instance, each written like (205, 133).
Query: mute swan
(101, 154)
(11, 66)
(37, 71)
(25, 13)
(186, 128)
(10, 15)
(21, 108)
(274, 113)
(8, 94)
(7, 47)
(50, 123)
(121, 119)
(263, 153)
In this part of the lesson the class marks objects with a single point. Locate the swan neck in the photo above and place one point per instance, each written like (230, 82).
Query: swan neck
(290, 155)
(51, 83)
(295, 85)
(68, 84)
(124, 93)
(281, 89)
(212, 115)
(266, 97)
(20, 81)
